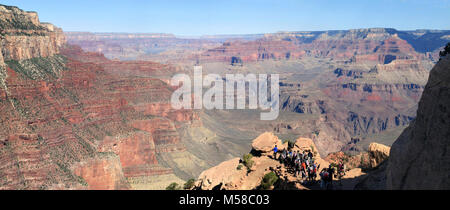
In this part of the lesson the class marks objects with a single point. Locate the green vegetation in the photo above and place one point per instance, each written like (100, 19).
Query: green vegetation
(80, 180)
(189, 184)
(239, 167)
(20, 21)
(247, 161)
(173, 186)
(85, 145)
(21, 108)
(39, 68)
(268, 180)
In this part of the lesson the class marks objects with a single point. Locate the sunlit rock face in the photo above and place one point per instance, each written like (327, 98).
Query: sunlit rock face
(24, 37)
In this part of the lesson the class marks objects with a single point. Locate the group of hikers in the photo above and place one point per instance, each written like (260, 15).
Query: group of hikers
(304, 165)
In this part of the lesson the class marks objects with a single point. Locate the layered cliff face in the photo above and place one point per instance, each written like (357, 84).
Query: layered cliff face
(253, 51)
(343, 86)
(76, 120)
(24, 37)
(346, 86)
(419, 158)
(165, 48)
(87, 126)
(373, 45)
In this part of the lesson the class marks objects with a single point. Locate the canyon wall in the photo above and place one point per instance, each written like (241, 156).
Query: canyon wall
(24, 37)
(85, 127)
(419, 158)
(373, 45)
(164, 48)
(76, 120)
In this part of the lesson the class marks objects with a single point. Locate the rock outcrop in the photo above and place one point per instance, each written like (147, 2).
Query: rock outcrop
(24, 37)
(233, 175)
(351, 161)
(419, 158)
(265, 143)
(378, 153)
(101, 174)
(224, 175)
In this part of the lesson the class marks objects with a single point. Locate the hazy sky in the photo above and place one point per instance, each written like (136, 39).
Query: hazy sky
(200, 17)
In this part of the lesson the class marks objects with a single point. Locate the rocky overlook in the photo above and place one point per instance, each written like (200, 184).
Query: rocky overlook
(234, 174)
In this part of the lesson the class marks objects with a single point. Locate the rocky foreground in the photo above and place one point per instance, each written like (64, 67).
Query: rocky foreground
(233, 175)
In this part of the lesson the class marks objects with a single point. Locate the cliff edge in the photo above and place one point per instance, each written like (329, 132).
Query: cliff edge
(420, 157)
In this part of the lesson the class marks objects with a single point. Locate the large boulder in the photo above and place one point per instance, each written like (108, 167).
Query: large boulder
(221, 176)
(227, 175)
(306, 144)
(378, 153)
(350, 161)
(420, 157)
(265, 143)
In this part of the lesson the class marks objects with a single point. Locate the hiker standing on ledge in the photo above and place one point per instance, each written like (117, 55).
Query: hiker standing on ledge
(275, 150)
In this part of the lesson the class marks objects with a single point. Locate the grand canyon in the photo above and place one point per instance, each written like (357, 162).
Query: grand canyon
(85, 110)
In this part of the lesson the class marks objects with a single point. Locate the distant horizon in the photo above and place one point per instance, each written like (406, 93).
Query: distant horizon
(177, 35)
(197, 18)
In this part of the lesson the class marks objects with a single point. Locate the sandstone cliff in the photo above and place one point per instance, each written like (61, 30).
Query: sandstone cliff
(419, 158)
(23, 36)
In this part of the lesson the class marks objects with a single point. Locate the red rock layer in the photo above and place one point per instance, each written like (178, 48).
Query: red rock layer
(253, 51)
(90, 128)
(364, 45)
